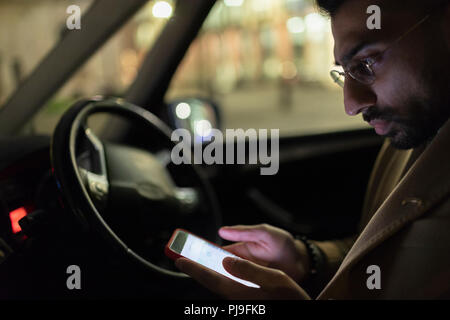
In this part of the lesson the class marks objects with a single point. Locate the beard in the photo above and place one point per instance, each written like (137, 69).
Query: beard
(417, 121)
(413, 128)
(423, 120)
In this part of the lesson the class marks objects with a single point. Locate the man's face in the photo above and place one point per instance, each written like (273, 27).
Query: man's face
(410, 98)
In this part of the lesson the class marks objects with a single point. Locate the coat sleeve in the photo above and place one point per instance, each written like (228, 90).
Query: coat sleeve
(390, 165)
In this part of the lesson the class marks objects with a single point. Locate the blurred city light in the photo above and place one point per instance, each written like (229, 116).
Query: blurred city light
(288, 70)
(262, 5)
(233, 3)
(162, 9)
(202, 128)
(295, 25)
(316, 27)
(183, 110)
(315, 23)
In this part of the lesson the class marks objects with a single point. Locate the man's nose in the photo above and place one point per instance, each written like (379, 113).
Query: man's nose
(357, 97)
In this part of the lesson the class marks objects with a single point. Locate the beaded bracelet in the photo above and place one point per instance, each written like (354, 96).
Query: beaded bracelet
(317, 257)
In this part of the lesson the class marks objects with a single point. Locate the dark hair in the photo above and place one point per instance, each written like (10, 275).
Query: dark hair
(329, 7)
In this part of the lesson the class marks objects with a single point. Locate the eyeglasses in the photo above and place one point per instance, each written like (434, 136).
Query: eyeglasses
(361, 70)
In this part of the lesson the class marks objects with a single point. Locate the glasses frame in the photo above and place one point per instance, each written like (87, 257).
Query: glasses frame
(340, 76)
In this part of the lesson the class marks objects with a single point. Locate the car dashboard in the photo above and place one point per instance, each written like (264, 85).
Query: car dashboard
(24, 171)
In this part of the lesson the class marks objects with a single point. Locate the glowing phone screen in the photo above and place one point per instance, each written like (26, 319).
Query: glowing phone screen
(209, 256)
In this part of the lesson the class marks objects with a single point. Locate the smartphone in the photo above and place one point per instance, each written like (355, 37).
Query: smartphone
(185, 244)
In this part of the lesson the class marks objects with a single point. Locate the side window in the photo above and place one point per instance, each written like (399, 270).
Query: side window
(108, 72)
(266, 63)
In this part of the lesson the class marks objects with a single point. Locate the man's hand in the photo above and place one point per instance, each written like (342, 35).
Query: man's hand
(274, 284)
(270, 247)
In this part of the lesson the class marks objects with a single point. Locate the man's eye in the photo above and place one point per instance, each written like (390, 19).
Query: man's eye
(370, 61)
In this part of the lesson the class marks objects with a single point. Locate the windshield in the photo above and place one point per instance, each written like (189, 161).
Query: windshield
(30, 29)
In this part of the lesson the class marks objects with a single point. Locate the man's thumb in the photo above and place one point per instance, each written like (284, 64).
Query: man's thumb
(243, 269)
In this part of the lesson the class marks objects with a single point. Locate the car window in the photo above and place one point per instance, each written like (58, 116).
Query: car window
(108, 72)
(266, 63)
(28, 30)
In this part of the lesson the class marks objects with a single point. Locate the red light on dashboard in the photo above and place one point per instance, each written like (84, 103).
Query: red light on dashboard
(15, 216)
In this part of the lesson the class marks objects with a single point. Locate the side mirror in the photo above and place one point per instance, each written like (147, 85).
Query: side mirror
(198, 115)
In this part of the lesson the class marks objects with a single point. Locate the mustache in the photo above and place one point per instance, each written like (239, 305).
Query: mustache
(376, 113)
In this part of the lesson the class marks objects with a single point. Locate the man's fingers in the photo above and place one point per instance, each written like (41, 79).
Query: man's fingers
(207, 277)
(240, 249)
(246, 270)
(242, 233)
(246, 250)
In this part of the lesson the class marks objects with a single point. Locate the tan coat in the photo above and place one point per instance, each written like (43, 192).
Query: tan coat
(405, 228)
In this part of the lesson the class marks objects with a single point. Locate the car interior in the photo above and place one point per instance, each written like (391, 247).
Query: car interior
(99, 190)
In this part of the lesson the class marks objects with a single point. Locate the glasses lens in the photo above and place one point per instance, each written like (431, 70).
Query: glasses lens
(361, 71)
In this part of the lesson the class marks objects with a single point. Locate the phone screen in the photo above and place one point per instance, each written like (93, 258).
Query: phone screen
(204, 253)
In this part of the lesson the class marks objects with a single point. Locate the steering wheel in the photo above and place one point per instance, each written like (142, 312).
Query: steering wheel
(132, 195)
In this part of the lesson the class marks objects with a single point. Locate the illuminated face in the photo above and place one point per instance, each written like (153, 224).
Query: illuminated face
(410, 98)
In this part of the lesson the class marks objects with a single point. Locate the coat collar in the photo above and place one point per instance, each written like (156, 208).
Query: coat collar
(425, 184)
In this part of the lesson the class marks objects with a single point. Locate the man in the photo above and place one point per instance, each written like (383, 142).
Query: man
(397, 78)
